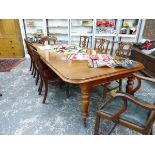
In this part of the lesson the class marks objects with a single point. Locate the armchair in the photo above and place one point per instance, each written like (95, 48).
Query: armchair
(126, 110)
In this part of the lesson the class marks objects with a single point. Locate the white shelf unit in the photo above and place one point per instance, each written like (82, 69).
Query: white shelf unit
(58, 28)
(81, 27)
(34, 29)
(105, 28)
(69, 30)
(128, 29)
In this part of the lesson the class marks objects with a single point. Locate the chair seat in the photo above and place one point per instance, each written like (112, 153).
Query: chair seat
(44, 65)
(112, 85)
(134, 114)
(50, 75)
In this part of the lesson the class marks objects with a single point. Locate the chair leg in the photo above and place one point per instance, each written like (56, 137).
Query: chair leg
(151, 131)
(105, 90)
(40, 87)
(67, 90)
(85, 122)
(46, 90)
(61, 84)
(32, 69)
(37, 79)
(120, 85)
(31, 66)
(97, 124)
(112, 128)
(35, 70)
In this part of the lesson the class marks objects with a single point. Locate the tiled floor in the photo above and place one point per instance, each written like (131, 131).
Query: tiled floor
(22, 111)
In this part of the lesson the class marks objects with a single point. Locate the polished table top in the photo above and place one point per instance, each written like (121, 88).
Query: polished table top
(77, 71)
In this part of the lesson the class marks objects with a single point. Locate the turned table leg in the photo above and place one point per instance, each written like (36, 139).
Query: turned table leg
(84, 102)
(130, 83)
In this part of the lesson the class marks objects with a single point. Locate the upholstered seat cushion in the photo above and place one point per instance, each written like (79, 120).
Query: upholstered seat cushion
(113, 85)
(134, 113)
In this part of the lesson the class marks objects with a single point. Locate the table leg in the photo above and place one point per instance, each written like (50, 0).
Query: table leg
(130, 83)
(84, 102)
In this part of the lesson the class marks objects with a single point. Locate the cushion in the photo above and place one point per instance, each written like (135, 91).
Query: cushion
(134, 113)
(113, 85)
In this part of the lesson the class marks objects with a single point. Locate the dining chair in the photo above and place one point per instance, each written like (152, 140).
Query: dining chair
(126, 110)
(48, 38)
(123, 50)
(28, 50)
(35, 72)
(108, 47)
(32, 65)
(46, 74)
(84, 41)
(101, 45)
(112, 47)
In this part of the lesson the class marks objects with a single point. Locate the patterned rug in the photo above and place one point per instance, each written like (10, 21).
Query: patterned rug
(22, 111)
(7, 64)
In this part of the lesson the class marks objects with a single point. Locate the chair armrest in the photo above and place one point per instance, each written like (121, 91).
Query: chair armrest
(135, 101)
(139, 78)
(120, 111)
(144, 78)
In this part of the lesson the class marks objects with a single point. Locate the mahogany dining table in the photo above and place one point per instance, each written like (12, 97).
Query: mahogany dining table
(78, 72)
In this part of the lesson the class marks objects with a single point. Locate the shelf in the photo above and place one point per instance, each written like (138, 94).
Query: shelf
(106, 26)
(61, 41)
(81, 34)
(82, 26)
(34, 34)
(58, 33)
(34, 26)
(127, 35)
(57, 26)
(104, 34)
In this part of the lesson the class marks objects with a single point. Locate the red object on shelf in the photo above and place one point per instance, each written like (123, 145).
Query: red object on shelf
(147, 45)
(105, 23)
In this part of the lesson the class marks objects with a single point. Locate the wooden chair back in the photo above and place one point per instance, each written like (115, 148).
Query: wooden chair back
(84, 41)
(124, 49)
(27, 43)
(36, 57)
(101, 45)
(48, 38)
